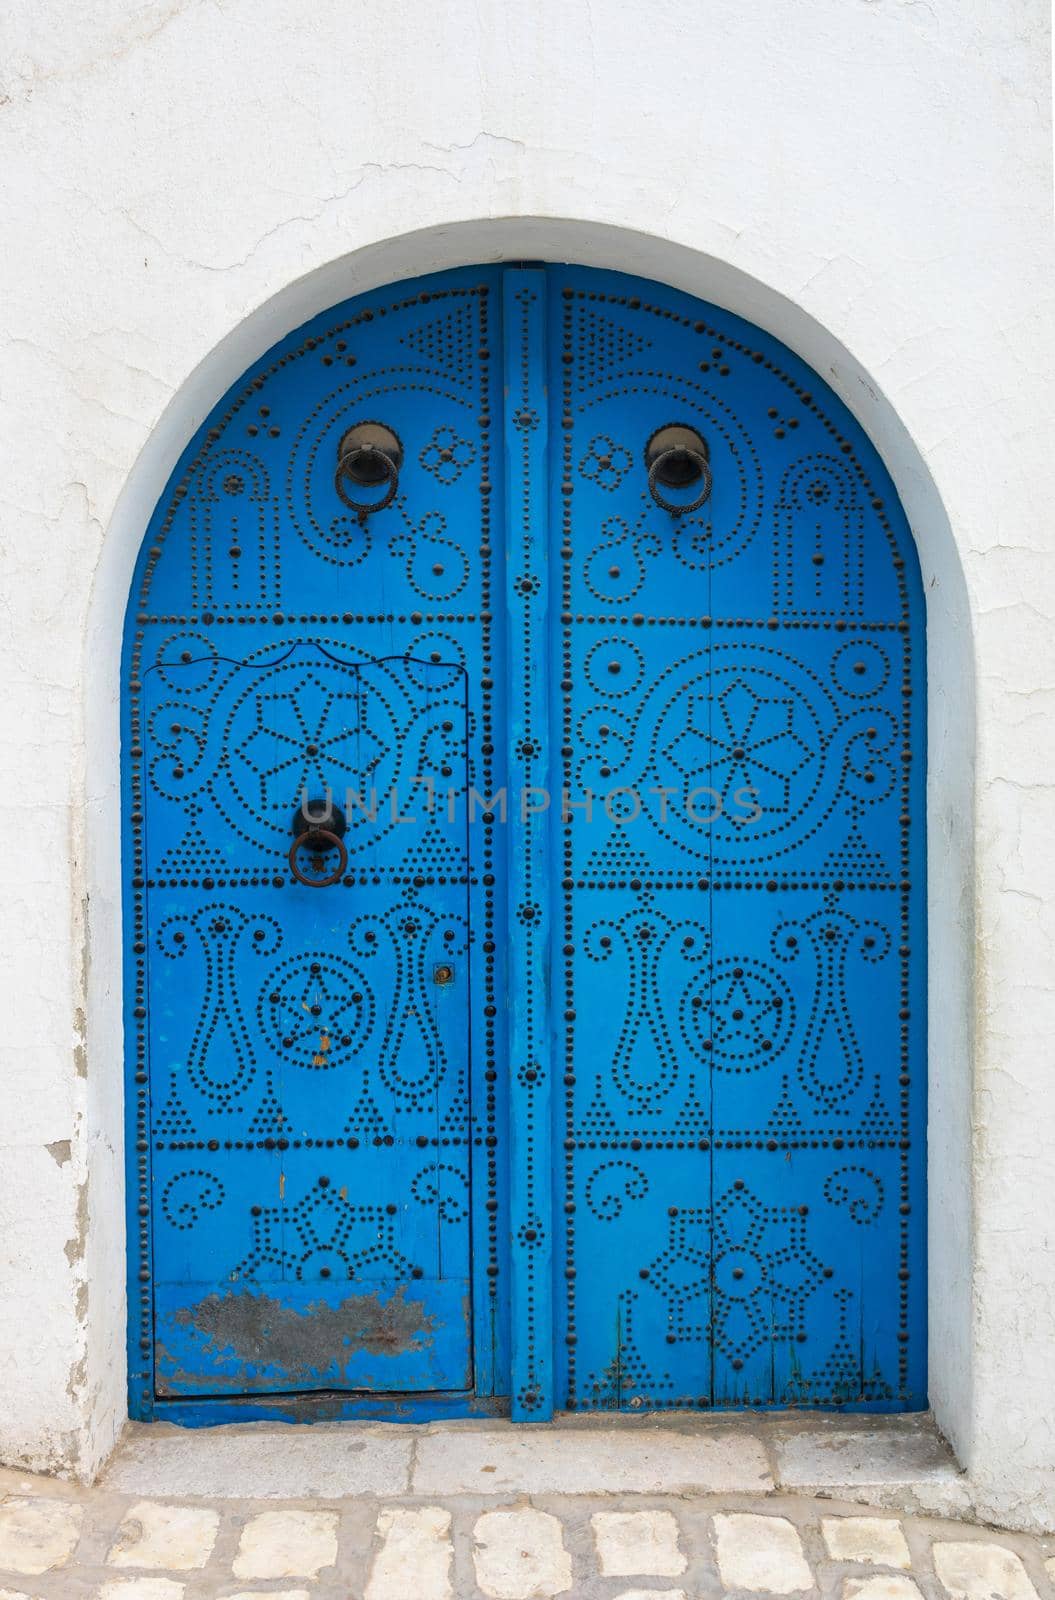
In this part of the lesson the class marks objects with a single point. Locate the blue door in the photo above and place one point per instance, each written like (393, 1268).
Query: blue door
(525, 774)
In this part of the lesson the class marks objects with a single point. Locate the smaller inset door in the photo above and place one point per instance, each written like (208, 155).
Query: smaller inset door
(307, 937)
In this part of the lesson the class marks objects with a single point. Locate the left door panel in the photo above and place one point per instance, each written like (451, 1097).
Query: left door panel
(308, 1041)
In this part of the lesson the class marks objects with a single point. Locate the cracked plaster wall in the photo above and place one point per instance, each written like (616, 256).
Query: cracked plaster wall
(868, 178)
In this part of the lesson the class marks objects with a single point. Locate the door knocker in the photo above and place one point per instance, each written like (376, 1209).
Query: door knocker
(369, 456)
(677, 457)
(318, 827)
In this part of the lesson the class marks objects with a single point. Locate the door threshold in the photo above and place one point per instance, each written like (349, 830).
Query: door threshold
(893, 1462)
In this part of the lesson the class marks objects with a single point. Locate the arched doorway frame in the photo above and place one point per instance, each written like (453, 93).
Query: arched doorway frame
(950, 682)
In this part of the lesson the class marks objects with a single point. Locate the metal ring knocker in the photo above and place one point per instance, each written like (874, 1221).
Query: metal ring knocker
(310, 834)
(676, 457)
(368, 455)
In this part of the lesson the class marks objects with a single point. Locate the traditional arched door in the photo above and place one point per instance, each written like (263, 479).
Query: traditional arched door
(525, 840)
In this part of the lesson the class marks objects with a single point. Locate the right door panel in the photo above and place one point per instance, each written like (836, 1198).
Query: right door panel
(740, 946)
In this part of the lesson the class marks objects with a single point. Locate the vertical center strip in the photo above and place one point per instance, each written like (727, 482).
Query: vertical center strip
(530, 1086)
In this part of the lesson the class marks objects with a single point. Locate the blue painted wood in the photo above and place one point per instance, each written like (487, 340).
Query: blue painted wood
(287, 1261)
(526, 422)
(744, 956)
(659, 1143)
(309, 1187)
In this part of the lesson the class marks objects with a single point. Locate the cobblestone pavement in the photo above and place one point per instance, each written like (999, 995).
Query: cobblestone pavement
(61, 1543)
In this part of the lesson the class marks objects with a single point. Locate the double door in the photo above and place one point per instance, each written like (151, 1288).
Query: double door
(525, 838)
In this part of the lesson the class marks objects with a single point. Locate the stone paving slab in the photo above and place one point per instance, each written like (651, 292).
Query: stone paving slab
(64, 1543)
(821, 1457)
(610, 1461)
(884, 1467)
(256, 1461)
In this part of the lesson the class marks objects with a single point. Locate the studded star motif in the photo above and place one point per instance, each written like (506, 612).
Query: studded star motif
(750, 1261)
(323, 1235)
(748, 1016)
(318, 1011)
(764, 1273)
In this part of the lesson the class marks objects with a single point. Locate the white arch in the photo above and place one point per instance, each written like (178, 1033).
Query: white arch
(951, 721)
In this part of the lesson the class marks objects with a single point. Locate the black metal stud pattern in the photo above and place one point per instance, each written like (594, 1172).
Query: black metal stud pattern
(736, 970)
(698, 982)
(284, 646)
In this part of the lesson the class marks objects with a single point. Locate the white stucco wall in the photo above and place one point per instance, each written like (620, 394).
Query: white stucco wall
(869, 179)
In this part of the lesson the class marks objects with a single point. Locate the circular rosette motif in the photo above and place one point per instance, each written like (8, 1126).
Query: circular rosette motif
(745, 750)
(318, 1010)
(305, 729)
(742, 1020)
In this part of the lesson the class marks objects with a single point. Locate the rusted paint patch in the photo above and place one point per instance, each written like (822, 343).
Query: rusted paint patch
(173, 1380)
(261, 1331)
